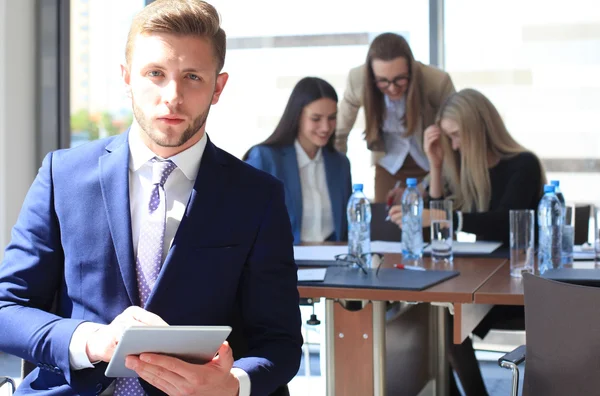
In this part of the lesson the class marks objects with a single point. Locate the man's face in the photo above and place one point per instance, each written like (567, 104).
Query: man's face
(173, 83)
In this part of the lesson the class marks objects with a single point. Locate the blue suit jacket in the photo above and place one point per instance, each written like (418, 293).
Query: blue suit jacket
(282, 163)
(72, 244)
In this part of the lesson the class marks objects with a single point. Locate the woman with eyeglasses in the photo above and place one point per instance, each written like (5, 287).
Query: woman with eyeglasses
(475, 162)
(301, 154)
(400, 97)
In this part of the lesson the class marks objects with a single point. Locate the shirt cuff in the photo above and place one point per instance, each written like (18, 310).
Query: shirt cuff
(244, 380)
(78, 358)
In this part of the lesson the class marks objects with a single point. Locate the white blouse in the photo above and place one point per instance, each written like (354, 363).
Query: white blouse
(317, 215)
(397, 146)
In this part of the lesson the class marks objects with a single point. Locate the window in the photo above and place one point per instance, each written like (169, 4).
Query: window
(99, 105)
(538, 62)
(269, 52)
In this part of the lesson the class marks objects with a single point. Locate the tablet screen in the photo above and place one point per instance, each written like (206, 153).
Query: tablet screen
(194, 344)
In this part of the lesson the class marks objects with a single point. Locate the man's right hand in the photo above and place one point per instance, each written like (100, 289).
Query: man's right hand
(432, 144)
(101, 344)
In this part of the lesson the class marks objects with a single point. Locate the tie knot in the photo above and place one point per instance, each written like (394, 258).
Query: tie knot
(161, 169)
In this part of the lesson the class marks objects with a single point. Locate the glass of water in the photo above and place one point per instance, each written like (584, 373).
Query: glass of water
(521, 242)
(568, 235)
(440, 213)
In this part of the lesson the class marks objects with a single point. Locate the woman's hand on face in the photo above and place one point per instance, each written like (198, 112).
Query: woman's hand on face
(432, 143)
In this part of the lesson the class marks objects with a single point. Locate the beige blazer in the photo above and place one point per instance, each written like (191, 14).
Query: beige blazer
(436, 86)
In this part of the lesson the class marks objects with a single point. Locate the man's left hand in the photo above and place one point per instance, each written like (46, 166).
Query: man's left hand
(176, 377)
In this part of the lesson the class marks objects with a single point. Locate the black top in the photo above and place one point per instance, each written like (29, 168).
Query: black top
(516, 184)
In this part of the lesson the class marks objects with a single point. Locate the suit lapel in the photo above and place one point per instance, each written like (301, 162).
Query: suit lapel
(335, 188)
(292, 180)
(114, 182)
(202, 211)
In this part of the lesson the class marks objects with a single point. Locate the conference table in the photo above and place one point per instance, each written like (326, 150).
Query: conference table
(374, 347)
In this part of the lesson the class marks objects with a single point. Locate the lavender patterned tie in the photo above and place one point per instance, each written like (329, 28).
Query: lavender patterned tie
(149, 253)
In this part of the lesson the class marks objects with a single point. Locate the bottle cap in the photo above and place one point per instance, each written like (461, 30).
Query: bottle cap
(549, 188)
(555, 183)
(357, 187)
(411, 182)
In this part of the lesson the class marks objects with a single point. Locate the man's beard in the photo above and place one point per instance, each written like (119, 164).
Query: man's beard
(146, 126)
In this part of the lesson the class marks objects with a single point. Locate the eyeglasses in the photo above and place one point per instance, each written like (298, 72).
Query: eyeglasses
(361, 261)
(384, 83)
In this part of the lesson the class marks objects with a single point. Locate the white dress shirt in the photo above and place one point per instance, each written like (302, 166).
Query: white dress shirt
(317, 215)
(397, 146)
(178, 189)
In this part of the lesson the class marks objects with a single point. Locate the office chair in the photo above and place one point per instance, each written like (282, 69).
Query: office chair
(582, 223)
(382, 230)
(562, 323)
(9, 381)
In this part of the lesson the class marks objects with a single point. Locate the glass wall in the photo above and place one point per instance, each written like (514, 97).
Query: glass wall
(269, 52)
(99, 105)
(538, 61)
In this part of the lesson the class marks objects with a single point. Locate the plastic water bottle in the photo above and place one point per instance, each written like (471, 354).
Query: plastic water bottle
(359, 224)
(412, 221)
(550, 221)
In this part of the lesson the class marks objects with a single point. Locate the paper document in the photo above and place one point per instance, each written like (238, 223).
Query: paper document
(584, 265)
(583, 252)
(478, 247)
(328, 252)
(312, 275)
(386, 247)
(318, 252)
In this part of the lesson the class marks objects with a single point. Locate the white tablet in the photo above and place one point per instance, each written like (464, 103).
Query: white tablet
(194, 344)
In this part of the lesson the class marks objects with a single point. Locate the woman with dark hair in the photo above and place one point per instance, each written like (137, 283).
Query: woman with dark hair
(300, 153)
(401, 98)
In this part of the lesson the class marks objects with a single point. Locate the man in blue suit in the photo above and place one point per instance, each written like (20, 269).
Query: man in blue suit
(146, 228)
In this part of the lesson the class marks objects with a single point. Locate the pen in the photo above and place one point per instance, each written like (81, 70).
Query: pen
(390, 200)
(409, 267)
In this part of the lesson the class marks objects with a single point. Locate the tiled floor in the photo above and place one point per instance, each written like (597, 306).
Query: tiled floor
(497, 380)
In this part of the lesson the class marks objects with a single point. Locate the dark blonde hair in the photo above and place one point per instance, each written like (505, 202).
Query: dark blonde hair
(386, 47)
(482, 131)
(181, 17)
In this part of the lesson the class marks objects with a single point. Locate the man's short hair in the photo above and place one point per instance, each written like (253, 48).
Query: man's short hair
(181, 17)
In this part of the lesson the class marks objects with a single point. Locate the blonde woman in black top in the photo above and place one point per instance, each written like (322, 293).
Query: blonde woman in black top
(477, 164)
(481, 167)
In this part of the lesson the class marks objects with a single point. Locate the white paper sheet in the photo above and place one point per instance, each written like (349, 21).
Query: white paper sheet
(328, 252)
(318, 252)
(584, 265)
(312, 274)
(478, 247)
(583, 252)
(386, 247)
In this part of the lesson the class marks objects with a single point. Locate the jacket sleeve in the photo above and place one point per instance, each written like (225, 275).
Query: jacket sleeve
(445, 89)
(30, 278)
(349, 106)
(270, 279)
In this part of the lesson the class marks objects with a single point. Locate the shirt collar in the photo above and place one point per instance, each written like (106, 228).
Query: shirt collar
(303, 158)
(188, 161)
(395, 103)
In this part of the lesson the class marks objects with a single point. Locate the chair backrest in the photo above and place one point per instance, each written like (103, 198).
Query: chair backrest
(582, 223)
(382, 230)
(562, 323)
